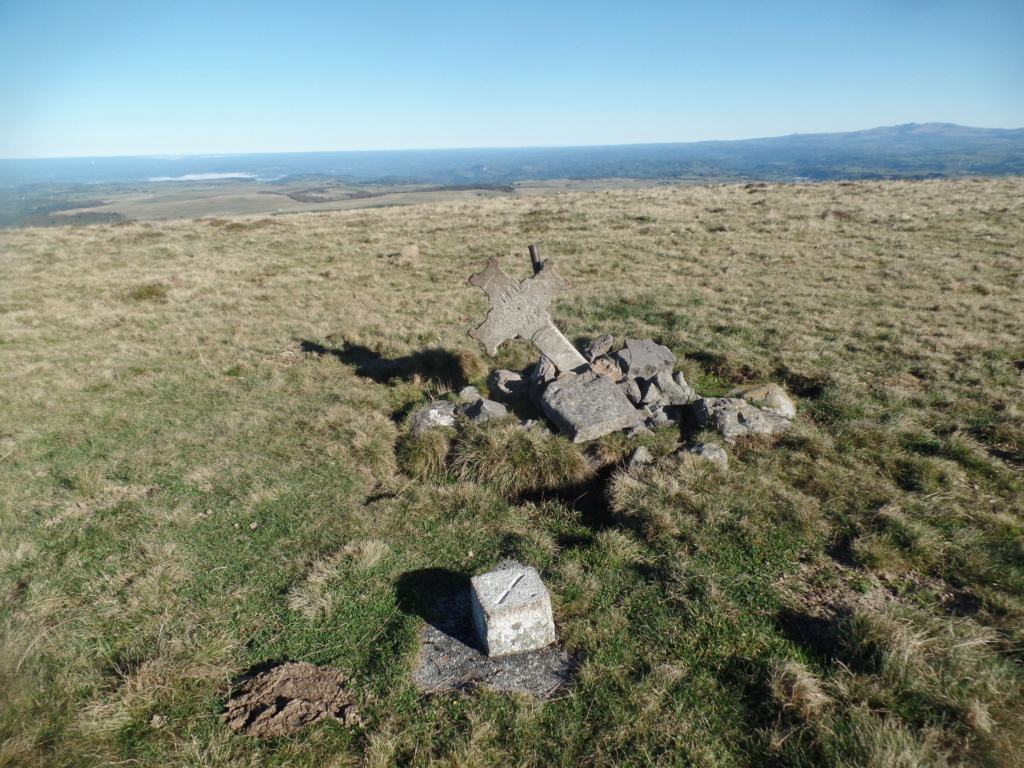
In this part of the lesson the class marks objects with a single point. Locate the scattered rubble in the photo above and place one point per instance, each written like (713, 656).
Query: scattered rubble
(773, 396)
(735, 418)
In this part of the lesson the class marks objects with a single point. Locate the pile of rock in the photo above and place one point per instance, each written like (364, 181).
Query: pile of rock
(634, 388)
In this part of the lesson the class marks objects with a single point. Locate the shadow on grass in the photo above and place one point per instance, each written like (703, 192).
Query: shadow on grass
(441, 598)
(820, 635)
(438, 365)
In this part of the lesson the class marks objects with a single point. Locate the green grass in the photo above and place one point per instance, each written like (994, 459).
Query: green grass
(206, 468)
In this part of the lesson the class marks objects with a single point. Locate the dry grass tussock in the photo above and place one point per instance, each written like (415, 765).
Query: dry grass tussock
(206, 467)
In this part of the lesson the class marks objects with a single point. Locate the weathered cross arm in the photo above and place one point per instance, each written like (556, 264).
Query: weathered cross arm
(521, 310)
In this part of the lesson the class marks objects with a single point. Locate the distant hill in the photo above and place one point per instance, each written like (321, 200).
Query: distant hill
(930, 150)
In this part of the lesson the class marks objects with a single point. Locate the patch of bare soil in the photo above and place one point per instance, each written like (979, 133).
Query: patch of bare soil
(105, 499)
(289, 356)
(287, 698)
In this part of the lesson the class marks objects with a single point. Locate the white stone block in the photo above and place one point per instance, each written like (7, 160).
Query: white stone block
(512, 611)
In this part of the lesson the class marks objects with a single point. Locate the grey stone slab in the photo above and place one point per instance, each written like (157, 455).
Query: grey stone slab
(735, 418)
(586, 406)
(644, 358)
(511, 610)
(522, 310)
(440, 413)
(451, 660)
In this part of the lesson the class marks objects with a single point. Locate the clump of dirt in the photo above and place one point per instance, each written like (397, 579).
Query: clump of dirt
(286, 698)
(289, 356)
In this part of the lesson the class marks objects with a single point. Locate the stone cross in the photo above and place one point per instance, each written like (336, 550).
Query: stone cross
(522, 310)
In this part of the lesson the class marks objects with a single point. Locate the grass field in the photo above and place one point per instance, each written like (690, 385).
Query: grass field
(206, 468)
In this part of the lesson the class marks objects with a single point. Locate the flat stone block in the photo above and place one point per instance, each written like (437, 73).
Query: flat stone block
(586, 406)
(511, 611)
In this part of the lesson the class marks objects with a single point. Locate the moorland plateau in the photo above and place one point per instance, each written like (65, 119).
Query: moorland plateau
(206, 468)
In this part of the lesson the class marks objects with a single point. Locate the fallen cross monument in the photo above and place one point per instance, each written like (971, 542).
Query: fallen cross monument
(520, 310)
(600, 391)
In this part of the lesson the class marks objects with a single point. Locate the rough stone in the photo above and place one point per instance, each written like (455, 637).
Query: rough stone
(709, 452)
(543, 373)
(587, 406)
(631, 390)
(662, 415)
(641, 455)
(482, 410)
(521, 310)
(672, 391)
(469, 394)
(440, 413)
(507, 386)
(638, 431)
(644, 358)
(598, 346)
(773, 396)
(651, 394)
(511, 610)
(735, 418)
(608, 367)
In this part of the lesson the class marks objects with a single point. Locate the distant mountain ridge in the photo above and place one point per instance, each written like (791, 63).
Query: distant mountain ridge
(929, 150)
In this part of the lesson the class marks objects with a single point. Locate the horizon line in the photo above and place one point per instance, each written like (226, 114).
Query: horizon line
(189, 155)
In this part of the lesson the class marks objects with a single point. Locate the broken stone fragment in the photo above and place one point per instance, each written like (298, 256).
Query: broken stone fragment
(587, 406)
(542, 374)
(735, 418)
(773, 396)
(631, 390)
(644, 358)
(709, 452)
(482, 410)
(440, 413)
(651, 394)
(639, 431)
(672, 391)
(641, 455)
(598, 346)
(608, 367)
(511, 610)
(507, 386)
(469, 394)
(662, 415)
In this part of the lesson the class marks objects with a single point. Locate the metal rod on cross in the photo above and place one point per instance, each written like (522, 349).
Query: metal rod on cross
(535, 258)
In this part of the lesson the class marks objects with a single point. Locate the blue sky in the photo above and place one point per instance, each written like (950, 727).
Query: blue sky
(81, 78)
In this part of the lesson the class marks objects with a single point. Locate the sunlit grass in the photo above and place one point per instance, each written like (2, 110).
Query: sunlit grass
(205, 467)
